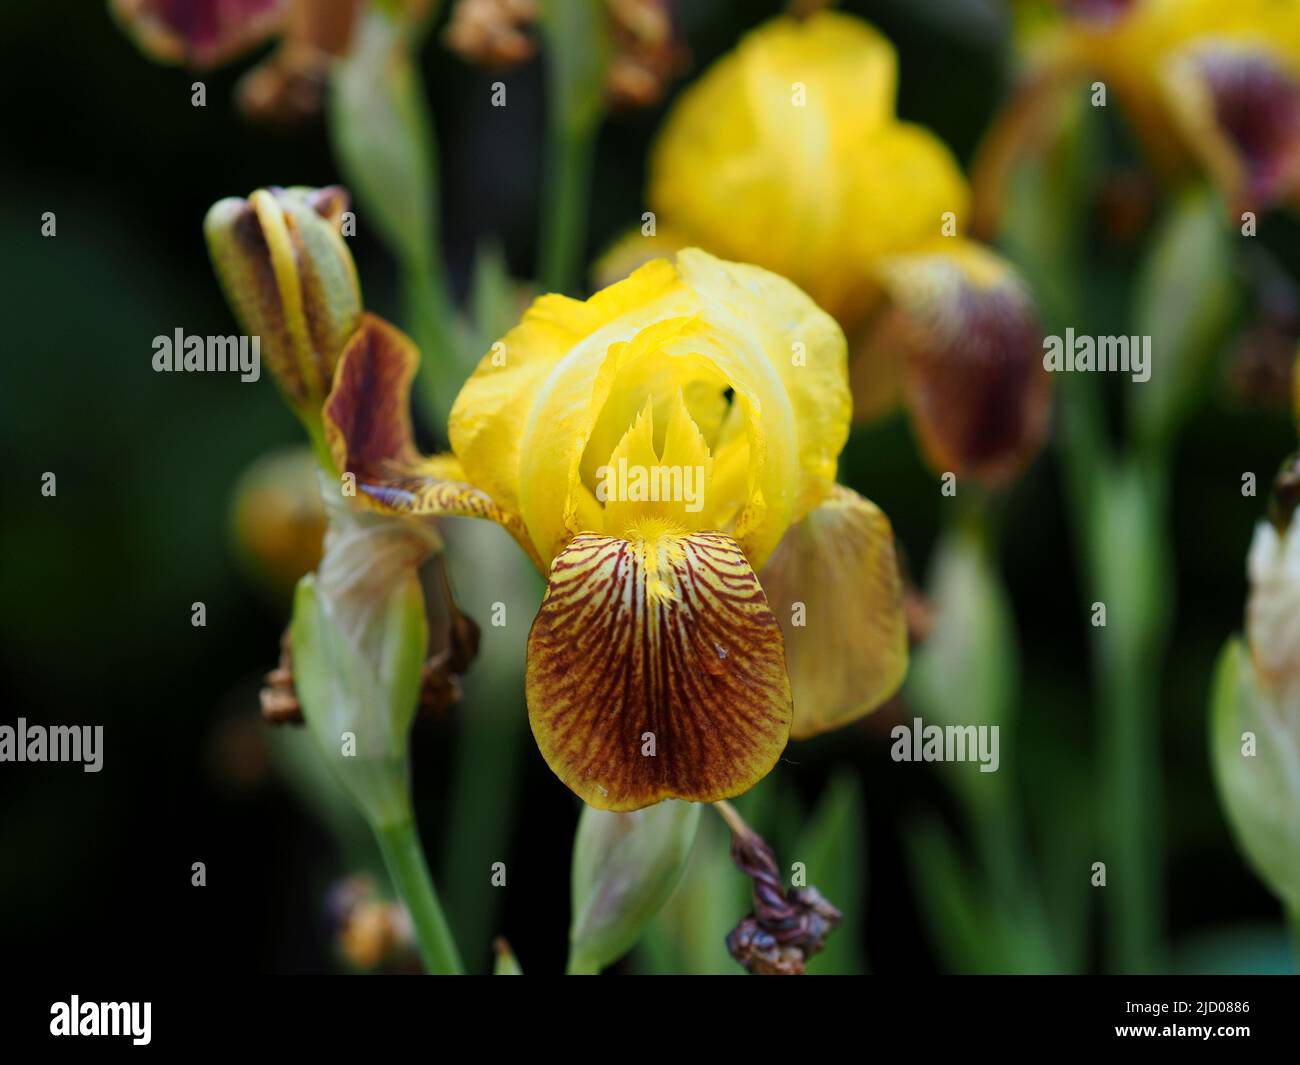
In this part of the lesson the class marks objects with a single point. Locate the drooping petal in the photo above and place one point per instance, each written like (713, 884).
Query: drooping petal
(976, 384)
(201, 33)
(835, 586)
(657, 670)
(368, 429)
(1240, 109)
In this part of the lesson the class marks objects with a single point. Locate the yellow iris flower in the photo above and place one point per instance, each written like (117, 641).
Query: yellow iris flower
(659, 665)
(787, 153)
(1211, 81)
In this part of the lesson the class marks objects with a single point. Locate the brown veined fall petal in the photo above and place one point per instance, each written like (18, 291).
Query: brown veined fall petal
(975, 382)
(1240, 110)
(834, 584)
(656, 670)
(200, 33)
(368, 428)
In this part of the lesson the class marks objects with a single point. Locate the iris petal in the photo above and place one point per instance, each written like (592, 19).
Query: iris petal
(1240, 108)
(656, 670)
(974, 376)
(368, 429)
(847, 647)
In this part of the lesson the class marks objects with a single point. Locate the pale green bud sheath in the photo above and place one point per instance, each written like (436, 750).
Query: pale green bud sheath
(289, 279)
(359, 638)
(1255, 717)
(625, 865)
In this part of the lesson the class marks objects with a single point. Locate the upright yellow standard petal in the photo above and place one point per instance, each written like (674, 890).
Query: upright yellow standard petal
(656, 670)
(786, 153)
(732, 369)
(835, 586)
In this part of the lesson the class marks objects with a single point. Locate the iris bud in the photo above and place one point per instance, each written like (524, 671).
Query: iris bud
(359, 636)
(290, 279)
(625, 865)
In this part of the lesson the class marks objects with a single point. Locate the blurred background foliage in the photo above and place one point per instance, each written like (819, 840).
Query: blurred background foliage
(96, 584)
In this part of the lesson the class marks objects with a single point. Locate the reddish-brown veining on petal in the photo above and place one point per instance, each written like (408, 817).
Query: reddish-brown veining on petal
(368, 429)
(974, 379)
(699, 663)
(1257, 108)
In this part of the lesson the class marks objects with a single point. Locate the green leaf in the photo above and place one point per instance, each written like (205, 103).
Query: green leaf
(689, 934)
(492, 300)
(1186, 298)
(958, 917)
(967, 671)
(833, 849)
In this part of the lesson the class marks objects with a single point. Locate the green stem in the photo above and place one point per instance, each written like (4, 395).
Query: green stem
(564, 217)
(1129, 699)
(404, 857)
(577, 55)
(1000, 838)
(428, 311)
(1128, 652)
(485, 785)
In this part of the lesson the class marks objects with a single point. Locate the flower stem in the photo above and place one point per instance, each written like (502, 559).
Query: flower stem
(577, 53)
(1128, 652)
(404, 857)
(564, 220)
(430, 317)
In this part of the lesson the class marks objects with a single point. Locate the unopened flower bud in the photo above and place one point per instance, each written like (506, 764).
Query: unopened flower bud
(625, 865)
(506, 962)
(290, 280)
(1273, 610)
(1255, 716)
(371, 932)
(359, 636)
(277, 521)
